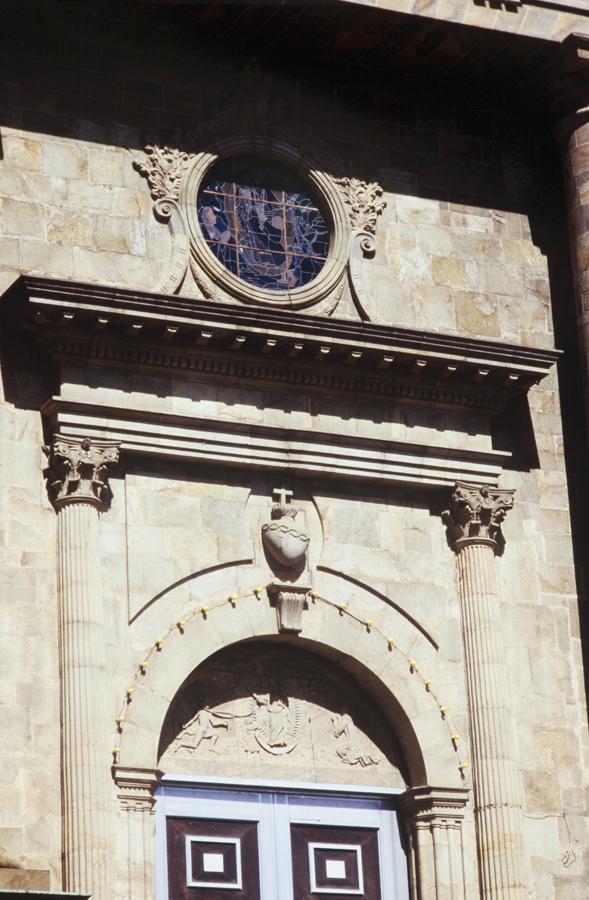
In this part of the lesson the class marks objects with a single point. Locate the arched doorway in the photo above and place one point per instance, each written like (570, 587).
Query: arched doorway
(281, 783)
(165, 748)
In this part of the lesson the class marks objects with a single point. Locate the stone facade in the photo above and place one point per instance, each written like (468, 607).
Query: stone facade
(410, 414)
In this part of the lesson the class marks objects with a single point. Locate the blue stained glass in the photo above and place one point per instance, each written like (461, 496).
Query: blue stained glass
(261, 223)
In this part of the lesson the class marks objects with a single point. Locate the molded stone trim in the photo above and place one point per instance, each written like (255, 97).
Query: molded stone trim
(266, 447)
(77, 318)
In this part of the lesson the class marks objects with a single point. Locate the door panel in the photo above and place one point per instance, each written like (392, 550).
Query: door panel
(333, 863)
(209, 859)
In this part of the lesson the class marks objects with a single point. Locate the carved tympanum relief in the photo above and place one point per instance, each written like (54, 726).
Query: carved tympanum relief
(246, 128)
(261, 708)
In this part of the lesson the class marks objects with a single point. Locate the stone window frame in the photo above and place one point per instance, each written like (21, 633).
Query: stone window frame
(352, 208)
(219, 278)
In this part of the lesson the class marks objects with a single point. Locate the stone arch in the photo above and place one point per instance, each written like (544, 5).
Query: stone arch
(409, 709)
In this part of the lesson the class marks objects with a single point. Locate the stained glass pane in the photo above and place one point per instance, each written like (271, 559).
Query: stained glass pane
(261, 223)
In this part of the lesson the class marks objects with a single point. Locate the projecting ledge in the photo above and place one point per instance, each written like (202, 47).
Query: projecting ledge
(224, 442)
(8, 893)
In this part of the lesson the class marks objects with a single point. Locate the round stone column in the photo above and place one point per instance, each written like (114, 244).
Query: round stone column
(571, 110)
(473, 521)
(78, 488)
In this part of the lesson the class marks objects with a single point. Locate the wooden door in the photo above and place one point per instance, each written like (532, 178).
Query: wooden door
(331, 863)
(210, 859)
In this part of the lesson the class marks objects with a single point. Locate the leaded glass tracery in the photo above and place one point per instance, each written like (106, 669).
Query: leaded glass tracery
(261, 223)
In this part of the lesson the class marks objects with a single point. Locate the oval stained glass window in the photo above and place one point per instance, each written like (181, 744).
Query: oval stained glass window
(262, 223)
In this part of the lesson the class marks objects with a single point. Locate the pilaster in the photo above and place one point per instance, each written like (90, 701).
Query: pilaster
(433, 820)
(78, 488)
(136, 793)
(474, 522)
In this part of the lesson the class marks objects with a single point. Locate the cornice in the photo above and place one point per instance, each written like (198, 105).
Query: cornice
(125, 327)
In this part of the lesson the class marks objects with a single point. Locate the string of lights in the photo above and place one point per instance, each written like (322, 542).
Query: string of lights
(342, 608)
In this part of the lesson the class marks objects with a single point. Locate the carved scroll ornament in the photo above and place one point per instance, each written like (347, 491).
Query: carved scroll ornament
(77, 470)
(365, 202)
(164, 168)
(477, 512)
(174, 175)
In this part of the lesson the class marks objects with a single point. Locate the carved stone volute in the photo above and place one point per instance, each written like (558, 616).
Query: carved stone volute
(77, 470)
(476, 513)
(364, 201)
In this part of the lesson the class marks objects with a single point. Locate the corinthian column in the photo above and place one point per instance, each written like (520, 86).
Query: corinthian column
(474, 521)
(76, 478)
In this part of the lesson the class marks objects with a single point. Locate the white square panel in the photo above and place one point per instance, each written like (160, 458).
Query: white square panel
(340, 863)
(217, 862)
(335, 868)
(214, 862)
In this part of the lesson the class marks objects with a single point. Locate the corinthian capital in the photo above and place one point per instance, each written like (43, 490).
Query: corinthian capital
(77, 470)
(476, 511)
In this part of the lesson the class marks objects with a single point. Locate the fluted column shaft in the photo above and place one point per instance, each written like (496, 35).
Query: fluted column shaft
(136, 793)
(77, 484)
(497, 778)
(86, 782)
(433, 822)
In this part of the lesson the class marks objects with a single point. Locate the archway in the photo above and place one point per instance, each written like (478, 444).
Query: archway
(426, 758)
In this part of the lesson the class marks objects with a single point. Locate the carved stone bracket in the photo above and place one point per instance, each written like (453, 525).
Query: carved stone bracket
(476, 512)
(290, 603)
(77, 470)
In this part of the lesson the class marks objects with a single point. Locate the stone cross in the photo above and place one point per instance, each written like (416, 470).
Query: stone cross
(282, 498)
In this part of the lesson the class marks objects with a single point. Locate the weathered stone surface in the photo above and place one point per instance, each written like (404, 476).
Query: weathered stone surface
(454, 253)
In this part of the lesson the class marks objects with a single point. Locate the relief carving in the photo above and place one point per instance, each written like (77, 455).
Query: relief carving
(277, 724)
(364, 201)
(477, 512)
(164, 168)
(286, 544)
(77, 470)
(263, 123)
(286, 551)
(259, 707)
(349, 751)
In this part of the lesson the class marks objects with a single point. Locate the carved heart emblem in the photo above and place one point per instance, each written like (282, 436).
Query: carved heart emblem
(286, 545)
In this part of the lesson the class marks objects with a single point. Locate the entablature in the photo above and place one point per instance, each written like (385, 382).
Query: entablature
(420, 404)
(139, 328)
